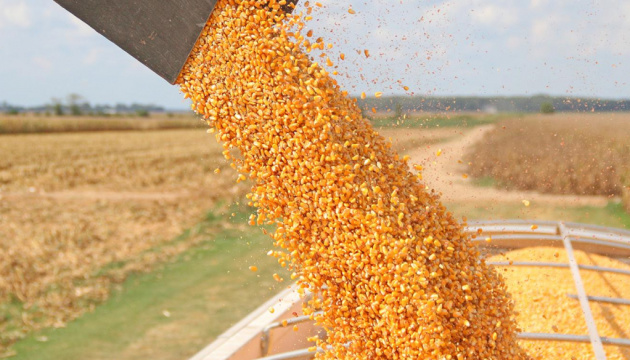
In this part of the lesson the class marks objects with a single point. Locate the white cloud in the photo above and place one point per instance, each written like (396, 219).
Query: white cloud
(537, 3)
(539, 45)
(492, 15)
(514, 42)
(14, 13)
(540, 29)
(42, 62)
(80, 29)
(92, 56)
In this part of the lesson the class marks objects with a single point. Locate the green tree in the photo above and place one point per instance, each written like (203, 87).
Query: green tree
(75, 103)
(142, 113)
(57, 107)
(364, 112)
(547, 108)
(398, 113)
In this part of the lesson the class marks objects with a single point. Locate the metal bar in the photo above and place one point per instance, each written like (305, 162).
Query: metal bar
(572, 338)
(291, 321)
(290, 354)
(264, 339)
(497, 237)
(618, 236)
(599, 242)
(298, 353)
(520, 229)
(596, 340)
(604, 299)
(604, 269)
(484, 223)
(558, 265)
(521, 336)
(572, 227)
(575, 228)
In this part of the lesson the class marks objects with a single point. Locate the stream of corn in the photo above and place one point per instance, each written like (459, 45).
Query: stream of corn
(398, 277)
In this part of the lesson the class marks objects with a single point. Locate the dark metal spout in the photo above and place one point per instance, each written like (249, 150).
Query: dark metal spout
(159, 33)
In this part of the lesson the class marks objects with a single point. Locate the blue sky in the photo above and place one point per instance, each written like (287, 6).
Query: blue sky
(463, 47)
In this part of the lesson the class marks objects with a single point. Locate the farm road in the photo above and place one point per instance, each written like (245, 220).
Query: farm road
(445, 174)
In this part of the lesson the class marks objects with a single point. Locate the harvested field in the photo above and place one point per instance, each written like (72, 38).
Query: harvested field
(176, 160)
(78, 212)
(404, 140)
(30, 123)
(582, 154)
(424, 120)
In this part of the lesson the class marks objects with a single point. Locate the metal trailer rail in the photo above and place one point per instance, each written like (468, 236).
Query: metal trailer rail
(514, 234)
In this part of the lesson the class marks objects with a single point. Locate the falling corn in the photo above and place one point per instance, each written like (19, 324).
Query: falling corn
(350, 216)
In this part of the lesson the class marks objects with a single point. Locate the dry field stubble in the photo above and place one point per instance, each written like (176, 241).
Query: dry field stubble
(78, 212)
(33, 123)
(583, 154)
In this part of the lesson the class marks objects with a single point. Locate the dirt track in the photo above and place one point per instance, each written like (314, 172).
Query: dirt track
(445, 174)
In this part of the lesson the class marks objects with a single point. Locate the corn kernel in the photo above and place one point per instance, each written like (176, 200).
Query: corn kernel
(393, 267)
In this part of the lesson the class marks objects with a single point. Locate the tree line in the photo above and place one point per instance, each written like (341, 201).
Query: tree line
(513, 104)
(76, 105)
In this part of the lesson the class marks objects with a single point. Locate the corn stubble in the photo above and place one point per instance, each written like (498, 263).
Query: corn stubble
(79, 212)
(582, 154)
(398, 278)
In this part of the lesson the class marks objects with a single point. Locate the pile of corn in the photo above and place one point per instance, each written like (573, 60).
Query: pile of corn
(398, 278)
(543, 305)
